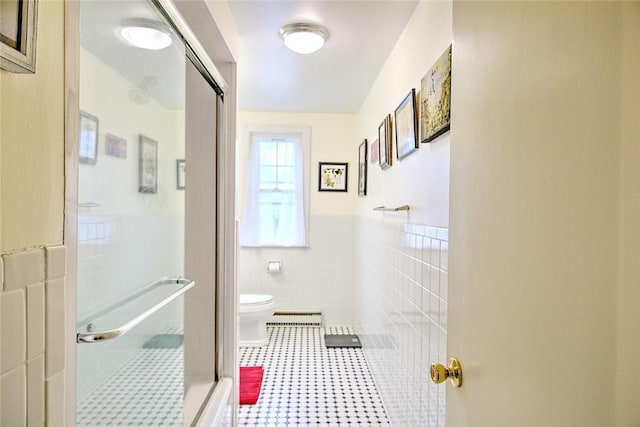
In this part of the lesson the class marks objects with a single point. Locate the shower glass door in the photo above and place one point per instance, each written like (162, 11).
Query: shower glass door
(131, 217)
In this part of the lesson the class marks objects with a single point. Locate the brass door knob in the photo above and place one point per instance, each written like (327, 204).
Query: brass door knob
(439, 373)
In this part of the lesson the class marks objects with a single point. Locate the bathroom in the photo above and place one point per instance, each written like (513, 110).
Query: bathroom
(514, 308)
(384, 274)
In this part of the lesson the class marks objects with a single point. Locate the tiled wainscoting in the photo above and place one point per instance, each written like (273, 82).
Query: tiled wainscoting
(118, 254)
(402, 295)
(319, 277)
(32, 335)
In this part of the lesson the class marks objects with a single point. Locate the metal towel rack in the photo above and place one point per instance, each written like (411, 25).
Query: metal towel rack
(92, 337)
(385, 209)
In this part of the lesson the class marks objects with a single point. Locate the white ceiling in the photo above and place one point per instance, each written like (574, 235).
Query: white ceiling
(337, 78)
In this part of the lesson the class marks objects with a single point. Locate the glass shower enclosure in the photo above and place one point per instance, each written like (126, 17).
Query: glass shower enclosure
(131, 217)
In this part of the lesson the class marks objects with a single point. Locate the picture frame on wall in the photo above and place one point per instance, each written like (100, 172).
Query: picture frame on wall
(435, 99)
(384, 138)
(332, 176)
(88, 139)
(115, 146)
(147, 165)
(18, 35)
(362, 169)
(375, 150)
(180, 174)
(406, 126)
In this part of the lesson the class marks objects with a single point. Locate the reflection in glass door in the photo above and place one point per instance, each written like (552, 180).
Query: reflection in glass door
(131, 217)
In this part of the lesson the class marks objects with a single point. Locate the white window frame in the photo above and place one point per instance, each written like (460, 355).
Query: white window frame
(304, 135)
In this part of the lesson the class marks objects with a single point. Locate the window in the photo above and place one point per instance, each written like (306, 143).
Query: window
(274, 207)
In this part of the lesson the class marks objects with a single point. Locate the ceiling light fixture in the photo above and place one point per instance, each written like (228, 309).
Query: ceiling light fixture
(146, 34)
(304, 37)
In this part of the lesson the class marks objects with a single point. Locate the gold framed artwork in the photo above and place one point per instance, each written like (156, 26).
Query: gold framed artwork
(18, 35)
(435, 99)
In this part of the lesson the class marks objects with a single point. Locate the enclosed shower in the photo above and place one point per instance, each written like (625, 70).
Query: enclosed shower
(132, 231)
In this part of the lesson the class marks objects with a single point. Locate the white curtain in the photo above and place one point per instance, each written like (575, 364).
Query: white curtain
(274, 216)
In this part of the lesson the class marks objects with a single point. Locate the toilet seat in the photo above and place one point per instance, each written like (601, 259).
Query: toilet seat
(251, 300)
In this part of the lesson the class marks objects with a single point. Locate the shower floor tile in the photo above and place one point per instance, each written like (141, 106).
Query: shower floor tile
(306, 383)
(136, 394)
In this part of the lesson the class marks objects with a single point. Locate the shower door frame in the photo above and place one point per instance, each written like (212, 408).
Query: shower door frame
(225, 289)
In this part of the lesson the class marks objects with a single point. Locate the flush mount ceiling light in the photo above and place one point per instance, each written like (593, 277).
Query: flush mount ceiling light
(303, 37)
(145, 34)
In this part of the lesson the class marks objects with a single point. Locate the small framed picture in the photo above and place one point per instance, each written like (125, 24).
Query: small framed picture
(332, 176)
(384, 138)
(375, 149)
(18, 35)
(406, 126)
(115, 146)
(180, 174)
(147, 165)
(362, 169)
(88, 149)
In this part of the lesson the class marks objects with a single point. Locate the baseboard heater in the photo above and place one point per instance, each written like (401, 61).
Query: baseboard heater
(296, 318)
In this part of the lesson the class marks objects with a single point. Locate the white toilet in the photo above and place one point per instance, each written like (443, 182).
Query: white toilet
(253, 312)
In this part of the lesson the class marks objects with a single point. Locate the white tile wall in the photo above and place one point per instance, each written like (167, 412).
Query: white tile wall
(319, 277)
(28, 337)
(118, 254)
(401, 290)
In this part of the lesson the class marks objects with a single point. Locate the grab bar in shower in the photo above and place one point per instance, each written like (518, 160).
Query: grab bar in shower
(92, 337)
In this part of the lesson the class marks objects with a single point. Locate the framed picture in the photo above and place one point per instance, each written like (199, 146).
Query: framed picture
(384, 138)
(406, 126)
(147, 165)
(435, 99)
(375, 149)
(18, 35)
(88, 147)
(362, 169)
(180, 174)
(332, 176)
(115, 146)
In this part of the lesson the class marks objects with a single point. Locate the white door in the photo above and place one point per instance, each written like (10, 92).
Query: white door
(534, 198)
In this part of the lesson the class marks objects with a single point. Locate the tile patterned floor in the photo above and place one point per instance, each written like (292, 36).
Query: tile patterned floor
(135, 395)
(306, 383)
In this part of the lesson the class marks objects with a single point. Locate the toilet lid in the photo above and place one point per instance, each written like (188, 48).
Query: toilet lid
(255, 299)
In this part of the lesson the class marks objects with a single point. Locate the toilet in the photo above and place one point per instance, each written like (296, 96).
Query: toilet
(253, 312)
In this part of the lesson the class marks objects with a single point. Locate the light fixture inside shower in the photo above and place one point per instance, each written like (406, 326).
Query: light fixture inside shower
(304, 37)
(145, 34)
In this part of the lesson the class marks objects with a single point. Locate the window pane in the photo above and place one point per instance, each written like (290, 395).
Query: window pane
(267, 177)
(268, 152)
(285, 153)
(285, 174)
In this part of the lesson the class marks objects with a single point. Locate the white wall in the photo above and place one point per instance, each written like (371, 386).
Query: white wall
(401, 286)
(420, 180)
(319, 277)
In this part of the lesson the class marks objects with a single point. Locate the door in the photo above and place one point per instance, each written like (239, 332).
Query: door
(533, 213)
(146, 354)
